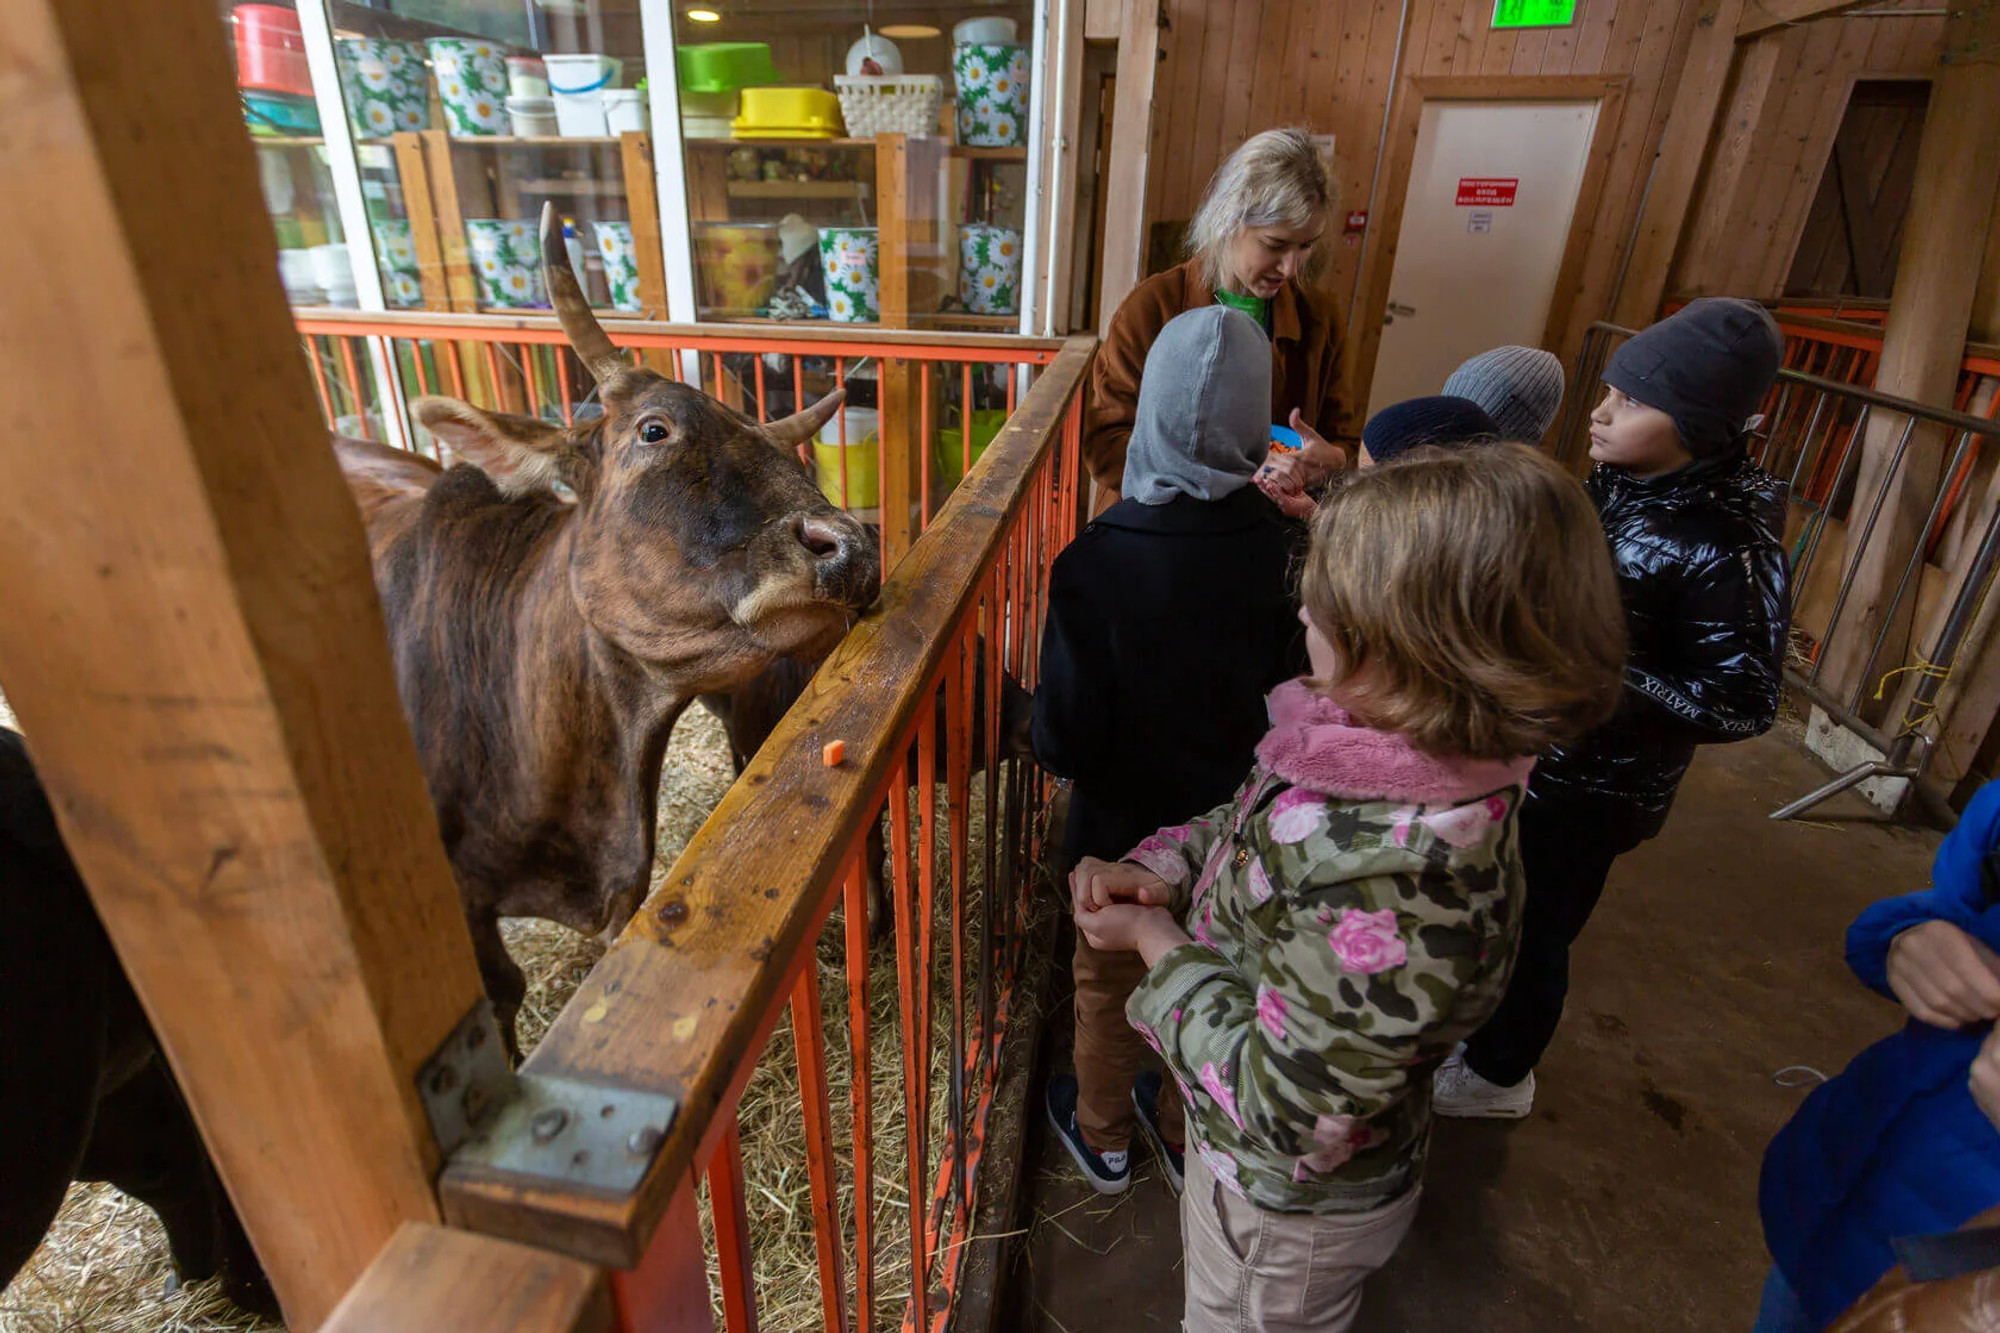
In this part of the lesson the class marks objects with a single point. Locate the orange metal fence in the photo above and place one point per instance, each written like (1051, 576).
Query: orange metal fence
(688, 999)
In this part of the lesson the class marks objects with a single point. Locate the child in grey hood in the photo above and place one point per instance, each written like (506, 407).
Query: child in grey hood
(1170, 618)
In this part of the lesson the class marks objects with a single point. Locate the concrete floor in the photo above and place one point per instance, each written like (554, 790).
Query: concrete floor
(1628, 1200)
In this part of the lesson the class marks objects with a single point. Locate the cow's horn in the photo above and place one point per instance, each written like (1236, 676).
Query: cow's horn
(799, 427)
(578, 324)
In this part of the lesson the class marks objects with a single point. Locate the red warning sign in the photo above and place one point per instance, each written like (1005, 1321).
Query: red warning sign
(1487, 191)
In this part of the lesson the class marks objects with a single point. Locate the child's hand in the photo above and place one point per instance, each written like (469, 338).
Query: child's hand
(1985, 1077)
(1278, 479)
(1094, 884)
(1127, 927)
(1943, 976)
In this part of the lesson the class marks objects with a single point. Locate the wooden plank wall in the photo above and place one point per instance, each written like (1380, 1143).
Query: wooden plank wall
(1746, 224)
(1234, 67)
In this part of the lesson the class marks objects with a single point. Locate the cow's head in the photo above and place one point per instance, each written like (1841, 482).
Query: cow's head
(698, 543)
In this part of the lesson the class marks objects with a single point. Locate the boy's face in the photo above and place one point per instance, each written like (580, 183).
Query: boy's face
(1640, 439)
(1264, 259)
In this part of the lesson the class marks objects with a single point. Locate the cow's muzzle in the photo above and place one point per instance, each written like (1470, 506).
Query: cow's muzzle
(846, 562)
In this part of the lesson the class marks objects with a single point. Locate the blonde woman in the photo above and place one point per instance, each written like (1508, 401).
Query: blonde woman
(1264, 212)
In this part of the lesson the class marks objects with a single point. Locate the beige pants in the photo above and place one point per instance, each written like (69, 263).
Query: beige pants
(1109, 1053)
(1254, 1271)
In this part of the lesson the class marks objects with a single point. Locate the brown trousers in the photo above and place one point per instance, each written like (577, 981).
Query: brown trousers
(1109, 1054)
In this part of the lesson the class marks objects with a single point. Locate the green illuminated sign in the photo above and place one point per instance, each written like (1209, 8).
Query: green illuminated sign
(1533, 13)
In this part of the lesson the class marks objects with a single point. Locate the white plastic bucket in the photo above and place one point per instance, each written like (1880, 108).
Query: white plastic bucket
(577, 83)
(533, 117)
(527, 77)
(624, 111)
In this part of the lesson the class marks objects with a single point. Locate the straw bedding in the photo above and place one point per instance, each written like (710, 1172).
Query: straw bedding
(104, 1266)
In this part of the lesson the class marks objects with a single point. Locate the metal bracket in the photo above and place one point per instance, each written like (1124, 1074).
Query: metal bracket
(561, 1131)
(466, 1078)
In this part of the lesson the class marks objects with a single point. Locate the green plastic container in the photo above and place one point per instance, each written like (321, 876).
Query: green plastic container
(948, 454)
(723, 67)
(279, 115)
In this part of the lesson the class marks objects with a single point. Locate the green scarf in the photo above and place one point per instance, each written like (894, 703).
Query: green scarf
(1257, 307)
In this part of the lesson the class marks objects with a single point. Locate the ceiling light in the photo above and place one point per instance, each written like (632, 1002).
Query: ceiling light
(910, 30)
(703, 16)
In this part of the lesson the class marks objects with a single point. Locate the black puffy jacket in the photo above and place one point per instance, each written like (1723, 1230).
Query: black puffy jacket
(1707, 591)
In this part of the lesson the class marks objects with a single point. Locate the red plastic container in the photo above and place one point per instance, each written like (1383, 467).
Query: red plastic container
(270, 53)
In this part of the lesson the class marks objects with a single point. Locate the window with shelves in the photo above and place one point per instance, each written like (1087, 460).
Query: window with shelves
(856, 162)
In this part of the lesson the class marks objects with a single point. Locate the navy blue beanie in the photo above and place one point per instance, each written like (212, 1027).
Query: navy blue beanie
(1419, 421)
(1708, 366)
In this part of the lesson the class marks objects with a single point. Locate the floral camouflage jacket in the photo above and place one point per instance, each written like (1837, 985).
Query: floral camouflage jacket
(1355, 911)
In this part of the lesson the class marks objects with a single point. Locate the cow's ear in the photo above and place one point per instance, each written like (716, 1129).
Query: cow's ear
(520, 453)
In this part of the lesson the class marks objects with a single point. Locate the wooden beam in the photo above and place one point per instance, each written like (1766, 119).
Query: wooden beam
(193, 641)
(1062, 151)
(642, 203)
(461, 287)
(1712, 235)
(1103, 20)
(431, 1277)
(1762, 16)
(1923, 343)
(1677, 169)
(412, 168)
(1131, 150)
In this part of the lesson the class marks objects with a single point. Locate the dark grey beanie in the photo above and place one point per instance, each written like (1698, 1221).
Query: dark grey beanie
(1708, 366)
(1442, 420)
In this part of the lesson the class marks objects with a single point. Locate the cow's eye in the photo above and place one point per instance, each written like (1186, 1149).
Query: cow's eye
(653, 432)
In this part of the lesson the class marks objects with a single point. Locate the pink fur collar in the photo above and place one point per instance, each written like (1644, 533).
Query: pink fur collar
(1314, 743)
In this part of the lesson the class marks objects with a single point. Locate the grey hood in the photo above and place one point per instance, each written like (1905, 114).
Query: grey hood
(1203, 426)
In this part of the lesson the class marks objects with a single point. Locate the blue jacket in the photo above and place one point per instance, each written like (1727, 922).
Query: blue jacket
(1894, 1145)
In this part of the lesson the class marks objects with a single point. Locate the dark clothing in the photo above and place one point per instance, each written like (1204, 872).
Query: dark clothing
(1894, 1145)
(1167, 626)
(1567, 847)
(1707, 593)
(1305, 364)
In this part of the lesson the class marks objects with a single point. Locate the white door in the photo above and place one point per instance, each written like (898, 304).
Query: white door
(1492, 189)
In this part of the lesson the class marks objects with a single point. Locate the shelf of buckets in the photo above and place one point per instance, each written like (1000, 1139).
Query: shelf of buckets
(732, 99)
(397, 93)
(751, 138)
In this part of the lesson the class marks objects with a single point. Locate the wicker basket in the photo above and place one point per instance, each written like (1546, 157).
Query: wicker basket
(890, 103)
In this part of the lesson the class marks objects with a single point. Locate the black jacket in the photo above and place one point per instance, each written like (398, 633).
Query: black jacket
(1701, 568)
(1167, 626)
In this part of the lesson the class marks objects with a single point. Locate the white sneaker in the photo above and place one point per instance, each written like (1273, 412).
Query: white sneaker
(1461, 1094)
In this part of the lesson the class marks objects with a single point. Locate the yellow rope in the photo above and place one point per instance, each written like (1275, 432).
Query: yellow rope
(1919, 718)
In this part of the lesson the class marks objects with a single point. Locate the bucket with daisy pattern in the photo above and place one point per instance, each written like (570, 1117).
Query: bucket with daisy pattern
(992, 93)
(989, 269)
(384, 86)
(621, 262)
(472, 84)
(852, 260)
(507, 258)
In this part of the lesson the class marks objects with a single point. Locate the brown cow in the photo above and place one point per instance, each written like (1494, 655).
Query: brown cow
(543, 647)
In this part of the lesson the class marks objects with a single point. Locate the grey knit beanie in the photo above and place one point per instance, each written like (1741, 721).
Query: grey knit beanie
(1521, 388)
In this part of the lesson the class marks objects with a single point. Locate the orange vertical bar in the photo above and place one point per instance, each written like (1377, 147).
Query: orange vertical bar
(958, 790)
(840, 380)
(718, 376)
(668, 1291)
(809, 1038)
(924, 446)
(319, 381)
(965, 419)
(862, 1093)
(423, 370)
(353, 387)
(1009, 371)
(530, 378)
(757, 361)
(927, 775)
(563, 387)
(799, 402)
(732, 1233)
(457, 369)
(900, 893)
(495, 399)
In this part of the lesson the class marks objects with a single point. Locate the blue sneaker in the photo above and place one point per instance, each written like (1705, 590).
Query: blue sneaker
(1108, 1173)
(1146, 1099)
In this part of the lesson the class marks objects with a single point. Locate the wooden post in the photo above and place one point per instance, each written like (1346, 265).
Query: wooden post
(1683, 146)
(642, 201)
(460, 284)
(1923, 341)
(431, 1277)
(1131, 150)
(1762, 16)
(193, 642)
(414, 169)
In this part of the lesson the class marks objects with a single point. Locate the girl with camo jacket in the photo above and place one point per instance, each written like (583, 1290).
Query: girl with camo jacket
(1317, 945)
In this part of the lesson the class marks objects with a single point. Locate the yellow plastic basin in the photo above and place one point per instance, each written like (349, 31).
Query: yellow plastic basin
(788, 113)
